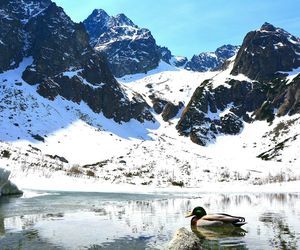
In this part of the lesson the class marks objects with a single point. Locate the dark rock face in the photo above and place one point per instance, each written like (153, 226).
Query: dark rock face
(265, 52)
(212, 111)
(171, 110)
(210, 61)
(158, 103)
(128, 48)
(168, 110)
(225, 52)
(56, 44)
(202, 62)
(222, 109)
(13, 16)
(291, 99)
(166, 54)
(64, 63)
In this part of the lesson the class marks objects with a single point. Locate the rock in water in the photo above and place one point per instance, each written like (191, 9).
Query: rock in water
(184, 240)
(6, 186)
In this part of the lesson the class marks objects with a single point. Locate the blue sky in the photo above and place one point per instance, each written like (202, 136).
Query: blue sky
(189, 27)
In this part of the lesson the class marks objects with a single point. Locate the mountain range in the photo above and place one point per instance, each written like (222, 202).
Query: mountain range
(130, 49)
(63, 112)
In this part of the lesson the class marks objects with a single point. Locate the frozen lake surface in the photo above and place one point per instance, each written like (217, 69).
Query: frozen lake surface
(69, 220)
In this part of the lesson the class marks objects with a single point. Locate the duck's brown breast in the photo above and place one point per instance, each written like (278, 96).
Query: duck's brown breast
(194, 221)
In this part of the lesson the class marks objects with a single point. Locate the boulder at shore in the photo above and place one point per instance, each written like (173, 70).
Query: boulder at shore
(6, 186)
(184, 240)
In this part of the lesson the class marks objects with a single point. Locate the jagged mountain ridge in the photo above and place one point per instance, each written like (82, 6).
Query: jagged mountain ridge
(205, 61)
(254, 87)
(212, 61)
(64, 64)
(132, 50)
(128, 48)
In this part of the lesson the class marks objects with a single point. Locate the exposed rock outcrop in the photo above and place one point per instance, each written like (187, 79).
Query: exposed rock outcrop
(171, 110)
(6, 186)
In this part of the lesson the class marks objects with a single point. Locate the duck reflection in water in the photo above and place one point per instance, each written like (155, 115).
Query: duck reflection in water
(217, 233)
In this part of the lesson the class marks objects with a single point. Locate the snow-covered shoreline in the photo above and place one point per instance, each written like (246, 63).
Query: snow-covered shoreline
(69, 184)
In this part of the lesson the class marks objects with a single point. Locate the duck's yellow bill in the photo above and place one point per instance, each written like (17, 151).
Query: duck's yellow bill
(189, 214)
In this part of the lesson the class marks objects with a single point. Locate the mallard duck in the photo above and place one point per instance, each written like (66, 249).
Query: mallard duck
(202, 219)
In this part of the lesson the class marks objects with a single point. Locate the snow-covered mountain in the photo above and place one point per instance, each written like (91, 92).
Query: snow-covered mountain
(59, 61)
(261, 83)
(128, 48)
(212, 61)
(205, 61)
(67, 123)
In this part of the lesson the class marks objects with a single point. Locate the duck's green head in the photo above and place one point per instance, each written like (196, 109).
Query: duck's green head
(197, 211)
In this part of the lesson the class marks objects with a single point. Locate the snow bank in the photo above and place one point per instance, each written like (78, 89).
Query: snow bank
(6, 186)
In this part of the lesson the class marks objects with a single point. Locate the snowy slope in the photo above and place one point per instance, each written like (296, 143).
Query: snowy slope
(82, 150)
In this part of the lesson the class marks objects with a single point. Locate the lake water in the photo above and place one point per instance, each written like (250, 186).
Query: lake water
(63, 220)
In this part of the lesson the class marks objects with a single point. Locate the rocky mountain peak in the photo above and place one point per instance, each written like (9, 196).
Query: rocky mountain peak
(96, 24)
(128, 48)
(122, 20)
(99, 14)
(266, 52)
(226, 51)
(267, 27)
